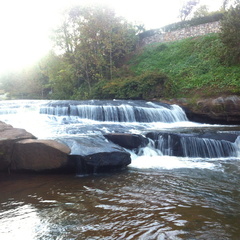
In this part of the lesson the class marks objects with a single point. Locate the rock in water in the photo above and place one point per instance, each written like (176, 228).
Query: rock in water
(223, 110)
(8, 137)
(94, 154)
(127, 140)
(39, 155)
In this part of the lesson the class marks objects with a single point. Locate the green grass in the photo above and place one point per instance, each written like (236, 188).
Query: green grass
(189, 67)
(193, 63)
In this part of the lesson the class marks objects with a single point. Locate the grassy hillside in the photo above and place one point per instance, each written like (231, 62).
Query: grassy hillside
(188, 68)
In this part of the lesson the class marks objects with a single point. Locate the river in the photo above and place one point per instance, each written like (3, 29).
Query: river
(158, 196)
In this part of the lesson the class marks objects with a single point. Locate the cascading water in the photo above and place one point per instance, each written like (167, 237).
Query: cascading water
(183, 185)
(55, 119)
(186, 145)
(208, 148)
(117, 111)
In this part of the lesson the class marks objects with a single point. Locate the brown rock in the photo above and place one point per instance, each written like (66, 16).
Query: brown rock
(221, 108)
(8, 137)
(4, 125)
(39, 155)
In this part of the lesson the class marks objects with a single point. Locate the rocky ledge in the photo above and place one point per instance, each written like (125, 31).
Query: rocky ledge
(217, 110)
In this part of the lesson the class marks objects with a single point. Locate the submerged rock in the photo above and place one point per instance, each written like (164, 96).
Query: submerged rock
(127, 140)
(39, 155)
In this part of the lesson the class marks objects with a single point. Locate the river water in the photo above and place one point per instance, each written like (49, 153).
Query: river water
(156, 197)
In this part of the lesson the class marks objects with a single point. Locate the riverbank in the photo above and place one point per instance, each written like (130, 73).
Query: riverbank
(193, 69)
(215, 110)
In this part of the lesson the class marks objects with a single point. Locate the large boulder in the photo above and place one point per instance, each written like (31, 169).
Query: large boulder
(127, 140)
(8, 137)
(39, 155)
(95, 154)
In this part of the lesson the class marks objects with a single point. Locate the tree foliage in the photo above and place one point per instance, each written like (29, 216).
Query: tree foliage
(27, 83)
(201, 11)
(230, 34)
(227, 4)
(93, 42)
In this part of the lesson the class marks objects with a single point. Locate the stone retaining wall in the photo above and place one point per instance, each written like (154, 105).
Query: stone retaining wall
(202, 29)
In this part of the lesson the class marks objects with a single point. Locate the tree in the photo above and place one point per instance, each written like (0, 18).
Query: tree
(94, 42)
(25, 83)
(61, 76)
(187, 9)
(201, 11)
(226, 4)
(140, 28)
(230, 34)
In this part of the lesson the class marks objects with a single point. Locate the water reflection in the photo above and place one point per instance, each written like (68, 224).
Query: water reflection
(20, 220)
(134, 204)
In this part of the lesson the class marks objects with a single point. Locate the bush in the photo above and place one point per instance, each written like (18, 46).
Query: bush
(147, 85)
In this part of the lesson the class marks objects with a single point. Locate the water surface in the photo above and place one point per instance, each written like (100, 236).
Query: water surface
(134, 204)
(156, 197)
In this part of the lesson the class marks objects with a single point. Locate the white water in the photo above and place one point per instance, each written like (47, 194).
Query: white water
(152, 158)
(58, 123)
(26, 114)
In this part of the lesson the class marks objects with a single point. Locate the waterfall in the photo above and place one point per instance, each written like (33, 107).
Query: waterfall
(124, 112)
(166, 125)
(207, 148)
(194, 145)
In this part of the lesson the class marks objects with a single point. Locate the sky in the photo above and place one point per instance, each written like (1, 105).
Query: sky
(26, 25)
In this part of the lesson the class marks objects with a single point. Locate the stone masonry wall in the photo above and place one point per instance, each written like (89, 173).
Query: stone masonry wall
(194, 31)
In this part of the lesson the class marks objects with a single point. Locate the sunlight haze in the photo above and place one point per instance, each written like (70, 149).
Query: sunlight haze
(26, 24)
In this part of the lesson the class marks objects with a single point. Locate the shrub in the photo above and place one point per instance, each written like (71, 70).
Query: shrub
(147, 85)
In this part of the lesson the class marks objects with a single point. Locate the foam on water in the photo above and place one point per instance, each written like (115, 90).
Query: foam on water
(152, 158)
(169, 162)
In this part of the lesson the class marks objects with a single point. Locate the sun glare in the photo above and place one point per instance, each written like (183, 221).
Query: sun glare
(26, 24)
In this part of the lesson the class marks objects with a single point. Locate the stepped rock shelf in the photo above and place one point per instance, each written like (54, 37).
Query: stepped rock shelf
(86, 137)
(221, 110)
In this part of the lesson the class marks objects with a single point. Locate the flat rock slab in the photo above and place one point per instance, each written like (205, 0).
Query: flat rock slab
(39, 155)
